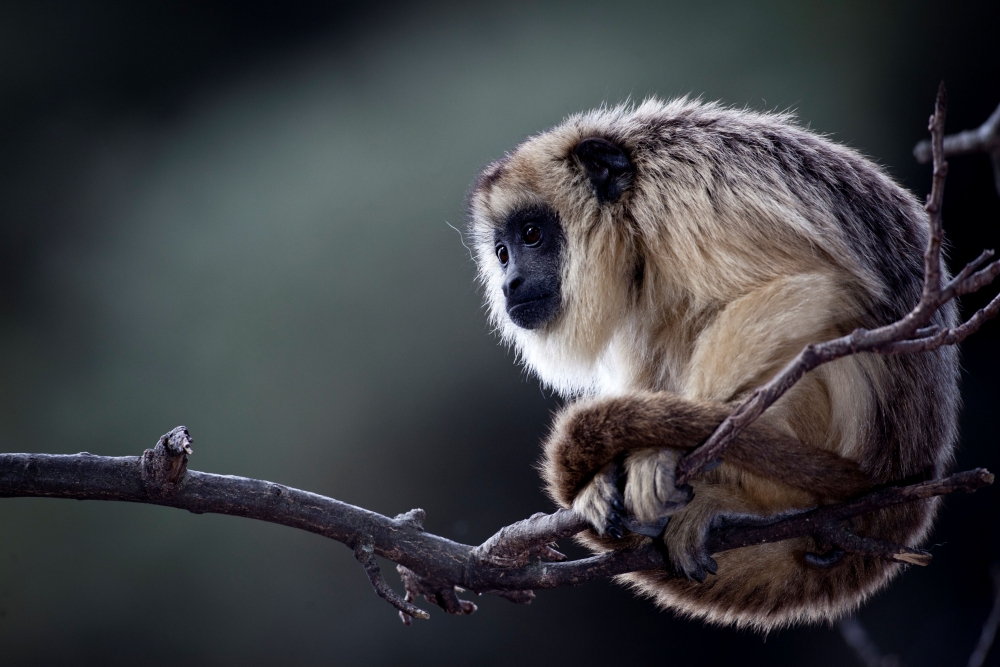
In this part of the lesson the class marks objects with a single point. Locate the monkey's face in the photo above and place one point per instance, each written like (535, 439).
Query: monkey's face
(529, 248)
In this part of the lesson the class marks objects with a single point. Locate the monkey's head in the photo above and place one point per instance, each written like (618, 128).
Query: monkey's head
(603, 238)
(557, 260)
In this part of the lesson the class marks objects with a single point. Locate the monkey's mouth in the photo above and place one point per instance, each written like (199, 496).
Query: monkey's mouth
(534, 313)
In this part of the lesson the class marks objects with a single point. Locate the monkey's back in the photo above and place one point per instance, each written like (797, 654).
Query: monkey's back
(908, 430)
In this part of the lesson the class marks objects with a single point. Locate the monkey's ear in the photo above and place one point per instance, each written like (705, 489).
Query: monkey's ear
(607, 166)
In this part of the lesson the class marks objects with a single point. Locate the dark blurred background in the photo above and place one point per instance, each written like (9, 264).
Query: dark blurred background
(234, 216)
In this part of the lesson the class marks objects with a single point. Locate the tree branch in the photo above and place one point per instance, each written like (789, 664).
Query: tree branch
(913, 333)
(989, 631)
(855, 635)
(512, 563)
(864, 646)
(983, 139)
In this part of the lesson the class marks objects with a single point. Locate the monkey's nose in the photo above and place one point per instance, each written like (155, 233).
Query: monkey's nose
(511, 285)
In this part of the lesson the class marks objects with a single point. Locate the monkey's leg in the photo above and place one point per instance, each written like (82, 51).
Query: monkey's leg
(686, 533)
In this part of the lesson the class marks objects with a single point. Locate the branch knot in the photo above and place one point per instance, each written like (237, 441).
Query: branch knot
(414, 518)
(163, 467)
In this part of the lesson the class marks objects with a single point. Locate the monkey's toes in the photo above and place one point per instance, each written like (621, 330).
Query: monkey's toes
(695, 565)
(688, 554)
(824, 561)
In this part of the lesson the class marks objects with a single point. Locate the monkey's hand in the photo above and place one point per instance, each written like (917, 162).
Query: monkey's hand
(600, 502)
(650, 495)
(651, 501)
(650, 489)
(605, 458)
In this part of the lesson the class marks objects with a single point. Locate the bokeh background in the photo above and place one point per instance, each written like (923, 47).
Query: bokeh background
(235, 216)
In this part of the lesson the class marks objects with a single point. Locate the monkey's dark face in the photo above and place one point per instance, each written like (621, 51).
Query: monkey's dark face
(529, 248)
(553, 258)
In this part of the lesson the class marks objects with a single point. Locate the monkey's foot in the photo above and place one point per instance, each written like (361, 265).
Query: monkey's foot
(685, 538)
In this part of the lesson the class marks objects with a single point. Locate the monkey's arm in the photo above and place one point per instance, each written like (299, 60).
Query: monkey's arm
(592, 434)
(638, 439)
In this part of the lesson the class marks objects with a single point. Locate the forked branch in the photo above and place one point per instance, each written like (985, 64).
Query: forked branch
(983, 139)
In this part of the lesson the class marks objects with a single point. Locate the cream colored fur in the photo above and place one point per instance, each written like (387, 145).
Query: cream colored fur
(742, 264)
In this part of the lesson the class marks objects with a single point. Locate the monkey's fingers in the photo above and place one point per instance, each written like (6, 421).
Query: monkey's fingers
(650, 489)
(600, 503)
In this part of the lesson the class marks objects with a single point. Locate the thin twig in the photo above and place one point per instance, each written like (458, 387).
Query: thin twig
(915, 332)
(989, 632)
(864, 646)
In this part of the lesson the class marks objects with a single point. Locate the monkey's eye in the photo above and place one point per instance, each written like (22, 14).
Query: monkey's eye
(503, 255)
(531, 234)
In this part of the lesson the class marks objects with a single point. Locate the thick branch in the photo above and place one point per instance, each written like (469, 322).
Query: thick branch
(913, 333)
(509, 564)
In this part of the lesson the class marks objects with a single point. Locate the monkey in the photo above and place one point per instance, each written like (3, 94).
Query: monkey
(652, 264)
